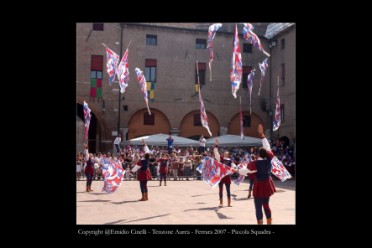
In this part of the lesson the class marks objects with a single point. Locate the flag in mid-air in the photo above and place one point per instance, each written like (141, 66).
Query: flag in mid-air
(111, 64)
(142, 82)
(123, 72)
(278, 169)
(236, 65)
(203, 114)
(250, 36)
(87, 117)
(113, 174)
(277, 112)
(263, 66)
(250, 87)
(211, 33)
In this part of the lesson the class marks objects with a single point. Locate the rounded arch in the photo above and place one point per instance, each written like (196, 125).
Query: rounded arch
(140, 123)
(192, 128)
(93, 132)
(102, 130)
(250, 124)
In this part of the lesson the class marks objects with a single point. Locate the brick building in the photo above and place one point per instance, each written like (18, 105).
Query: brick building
(166, 53)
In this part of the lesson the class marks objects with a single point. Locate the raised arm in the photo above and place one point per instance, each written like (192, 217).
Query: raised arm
(217, 155)
(265, 142)
(86, 152)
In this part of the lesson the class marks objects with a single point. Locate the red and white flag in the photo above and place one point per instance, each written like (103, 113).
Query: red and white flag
(142, 82)
(123, 72)
(203, 114)
(277, 112)
(236, 71)
(211, 33)
(111, 64)
(87, 117)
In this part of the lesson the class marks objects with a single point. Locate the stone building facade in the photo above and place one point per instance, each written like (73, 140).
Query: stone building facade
(169, 52)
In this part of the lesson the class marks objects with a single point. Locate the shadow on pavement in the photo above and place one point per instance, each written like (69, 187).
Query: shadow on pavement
(197, 209)
(221, 216)
(123, 202)
(114, 222)
(95, 201)
(146, 218)
(203, 194)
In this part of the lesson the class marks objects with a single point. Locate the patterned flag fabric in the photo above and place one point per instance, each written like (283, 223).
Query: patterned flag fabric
(211, 33)
(236, 65)
(87, 117)
(213, 171)
(111, 64)
(203, 114)
(279, 170)
(250, 87)
(277, 112)
(240, 178)
(252, 37)
(123, 72)
(263, 66)
(142, 82)
(113, 174)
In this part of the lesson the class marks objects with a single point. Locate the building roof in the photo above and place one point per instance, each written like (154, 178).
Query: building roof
(274, 29)
(259, 28)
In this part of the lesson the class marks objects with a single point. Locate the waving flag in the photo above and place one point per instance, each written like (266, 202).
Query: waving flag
(203, 114)
(236, 65)
(214, 171)
(112, 63)
(279, 170)
(263, 66)
(250, 87)
(112, 174)
(123, 72)
(241, 120)
(252, 37)
(277, 112)
(211, 33)
(142, 82)
(87, 117)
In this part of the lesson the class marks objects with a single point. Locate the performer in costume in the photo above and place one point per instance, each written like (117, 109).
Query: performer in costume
(263, 186)
(226, 179)
(251, 178)
(144, 175)
(89, 169)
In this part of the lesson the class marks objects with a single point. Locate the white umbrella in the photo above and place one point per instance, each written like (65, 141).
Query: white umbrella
(234, 140)
(161, 140)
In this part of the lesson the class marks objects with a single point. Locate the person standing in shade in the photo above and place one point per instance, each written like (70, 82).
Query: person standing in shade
(163, 168)
(117, 143)
(170, 144)
(202, 142)
(263, 186)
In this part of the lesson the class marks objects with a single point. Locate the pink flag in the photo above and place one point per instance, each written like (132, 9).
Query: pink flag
(277, 112)
(113, 174)
(278, 169)
(142, 82)
(252, 37)
(263, 66)
(211, 33)
(236, 65)
(87, 117)
(250, 87)
(203, 114)
(123, 72)
(112, 63)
